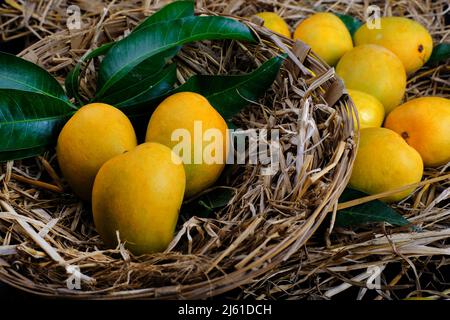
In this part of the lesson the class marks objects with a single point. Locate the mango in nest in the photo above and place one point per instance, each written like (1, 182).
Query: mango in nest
(139, 194)
(375, 70)
(275, 23)
(96, 133)
(424, 123)
(385, 162)
(188, 124)
(327, 36)
(408, 39)
(370, 110)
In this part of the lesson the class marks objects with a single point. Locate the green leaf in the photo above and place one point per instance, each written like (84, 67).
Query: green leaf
(352, 23)
(152, 40)
(19, 74)
(172, 11)
(21, 154)
(207, 203)
(229, 94)
(29, 120)
(441, 53)
(72, 82)
(138, 97)
(143, 76)
(369, 212)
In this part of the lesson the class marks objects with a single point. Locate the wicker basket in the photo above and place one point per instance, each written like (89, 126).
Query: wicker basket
(46, 232)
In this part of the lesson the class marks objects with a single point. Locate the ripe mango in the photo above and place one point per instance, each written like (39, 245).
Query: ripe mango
(327, 36)
(408, 39)
(370, 110)
(188, 119)
(385, 162)
(425, 125)
(96, 133)
(275, 23)
(139, 194)
(375, 70)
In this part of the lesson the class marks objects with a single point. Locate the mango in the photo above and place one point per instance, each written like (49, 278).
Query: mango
(424, 123)
(370, 110)
(188, 124)
(137, 197)
(374, 70)
(385, 162)
(275, 23)
(327, 36)
(96, 133)
(408, 39)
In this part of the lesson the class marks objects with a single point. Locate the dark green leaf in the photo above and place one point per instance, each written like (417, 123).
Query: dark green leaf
(21, 154)
(72, 80)
(369, 212)
(229, 94)
(441, 53)
(20, 74)
(29, 120)
(138, 98)
(172, 11)
(152, 40)
(143, 76)
(350, 22)
(208, 203)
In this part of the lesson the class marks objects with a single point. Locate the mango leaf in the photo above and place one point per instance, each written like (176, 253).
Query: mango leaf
(156, 38)
(29, 121)
(369, 212)
(207, 203)
(172, 11)
(72, 82)
(138, 97)
(352, 23)
(229, 94)
(19, 74)
(143, 76)
(441, 53)
(21, 154)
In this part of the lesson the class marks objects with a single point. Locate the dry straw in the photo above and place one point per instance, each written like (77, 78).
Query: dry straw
(46, 231)
(266, 241)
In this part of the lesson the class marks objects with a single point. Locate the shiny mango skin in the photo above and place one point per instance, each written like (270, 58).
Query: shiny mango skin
(408, 39)
(275, 23)
(327, 36)
(385, 162)
(181, 111)
(96, 133)
(375, 70)
(370, 109)
(425, 125)
(139, 194)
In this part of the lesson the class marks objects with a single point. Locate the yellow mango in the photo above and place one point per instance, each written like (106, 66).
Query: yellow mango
(327, 36)
(375, 70)
(139, 194)
(408, 39)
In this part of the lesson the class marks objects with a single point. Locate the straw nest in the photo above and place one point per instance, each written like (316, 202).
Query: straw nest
(414, 262)
(334, 262)
(45, 231)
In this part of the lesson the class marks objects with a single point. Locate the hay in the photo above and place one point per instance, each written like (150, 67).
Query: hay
(258, 241)
(46, 231)
(413, 263)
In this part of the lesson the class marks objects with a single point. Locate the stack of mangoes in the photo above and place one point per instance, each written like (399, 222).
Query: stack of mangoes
(397, 140)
